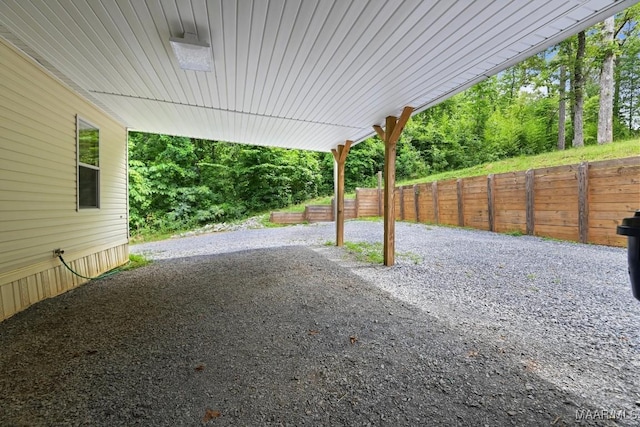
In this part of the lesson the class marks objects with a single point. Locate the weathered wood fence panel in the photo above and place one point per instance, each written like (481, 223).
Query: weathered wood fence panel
(367, 201)
(409, 203)
(474, 206)
(319, 213)
(397, 194)
(555, 205)
(613, 194)
(510, 202)
(350, 209)
(448, 202)
(425, 203)
(287, 217)
(582, 202)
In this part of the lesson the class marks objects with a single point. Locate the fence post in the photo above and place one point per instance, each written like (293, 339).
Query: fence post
(491, 202)
(583, 202)
(460, 185)
(434, 192)
(529, 187)
(401, 190)
(416, 202)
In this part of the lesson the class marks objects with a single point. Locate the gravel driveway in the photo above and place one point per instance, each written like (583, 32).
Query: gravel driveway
(274, 327)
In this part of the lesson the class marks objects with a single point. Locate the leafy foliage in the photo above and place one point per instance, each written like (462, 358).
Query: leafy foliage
(177, 183)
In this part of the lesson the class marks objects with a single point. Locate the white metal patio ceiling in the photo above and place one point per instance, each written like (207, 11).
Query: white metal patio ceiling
(304, 74)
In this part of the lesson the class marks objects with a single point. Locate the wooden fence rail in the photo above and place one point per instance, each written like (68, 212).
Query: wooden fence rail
(582, 203)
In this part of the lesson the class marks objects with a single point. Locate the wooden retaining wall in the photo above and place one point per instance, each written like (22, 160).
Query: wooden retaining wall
(582, 203)
(555, 203)
(613, 190)
(475, 207)
(508, 202)
(287, 217)
(315, 213)
(368, 202)
(447, 194)
(319, 213)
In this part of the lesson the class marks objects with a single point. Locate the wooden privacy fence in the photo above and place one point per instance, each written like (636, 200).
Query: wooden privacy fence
(315, 213)
(582, 202)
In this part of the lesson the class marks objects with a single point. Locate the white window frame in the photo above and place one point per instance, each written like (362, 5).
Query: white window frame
(80, 164)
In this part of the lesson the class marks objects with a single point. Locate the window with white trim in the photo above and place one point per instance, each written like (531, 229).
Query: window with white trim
(88, 149)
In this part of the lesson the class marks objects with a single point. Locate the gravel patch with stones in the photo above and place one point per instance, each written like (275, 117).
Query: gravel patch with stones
(274, 327)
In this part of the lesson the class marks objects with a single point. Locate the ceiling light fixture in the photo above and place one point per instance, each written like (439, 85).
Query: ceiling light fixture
(191, 53)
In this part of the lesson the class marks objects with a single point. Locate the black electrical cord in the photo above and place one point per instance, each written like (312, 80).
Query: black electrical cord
(101, 276)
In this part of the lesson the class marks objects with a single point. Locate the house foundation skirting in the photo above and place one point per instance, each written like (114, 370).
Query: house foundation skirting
(20, 290)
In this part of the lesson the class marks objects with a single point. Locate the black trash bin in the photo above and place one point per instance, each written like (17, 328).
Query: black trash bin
(631, 228)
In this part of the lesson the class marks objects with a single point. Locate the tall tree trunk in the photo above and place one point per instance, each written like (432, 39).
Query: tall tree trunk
(579, 78)
(616, 91)
(562, 107)
(512, 89)
(631, 107)
(605, 114)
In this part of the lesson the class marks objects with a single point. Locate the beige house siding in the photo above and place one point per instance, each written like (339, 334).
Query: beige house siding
(38, 187)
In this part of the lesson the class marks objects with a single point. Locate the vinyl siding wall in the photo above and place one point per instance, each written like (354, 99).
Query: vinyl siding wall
(38, 187)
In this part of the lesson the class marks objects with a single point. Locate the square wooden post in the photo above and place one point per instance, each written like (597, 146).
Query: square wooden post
(340, 156)
(530, 198)
(460, 192)
(390, 136)
(583, 202)
(416, 201)
(389, 193)
(491, 201)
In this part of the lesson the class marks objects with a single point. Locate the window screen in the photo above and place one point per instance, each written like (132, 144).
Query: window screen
(88, 165)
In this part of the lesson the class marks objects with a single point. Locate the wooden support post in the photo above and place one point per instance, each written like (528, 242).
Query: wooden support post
(460, 185)
(491, 202)
(390, 135)
(340, 155)
(434, 193)
(389, 194)
(380, 204)
(529, 189)
(416, 201)
(583, 202)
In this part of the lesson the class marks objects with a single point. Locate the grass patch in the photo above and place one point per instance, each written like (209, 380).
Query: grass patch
(372, 252)
(366, 252)
(570, 156)
(370, 218)
(515, 233)
(266, 223)
(553, 239)
(410, 256)
(152, 236)
(135, 261)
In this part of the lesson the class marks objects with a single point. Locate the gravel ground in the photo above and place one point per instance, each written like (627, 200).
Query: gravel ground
(273, 327)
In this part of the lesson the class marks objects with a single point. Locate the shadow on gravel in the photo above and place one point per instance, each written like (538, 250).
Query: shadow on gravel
(278, 336)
